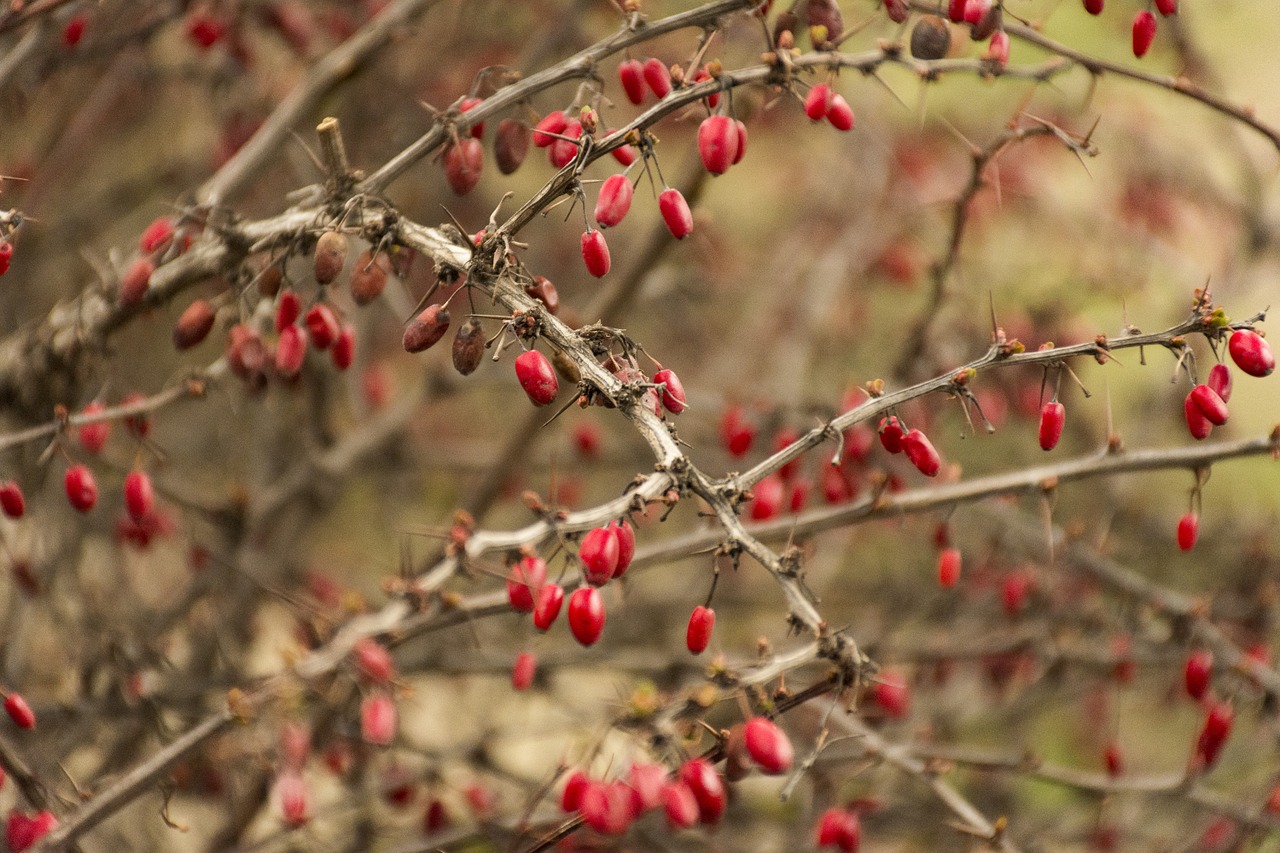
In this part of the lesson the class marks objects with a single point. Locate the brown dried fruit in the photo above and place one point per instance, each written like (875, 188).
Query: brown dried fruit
(331, 256)
(510, 145)
(930, 38)
(468, 347)
(369, 277)
(426, 329)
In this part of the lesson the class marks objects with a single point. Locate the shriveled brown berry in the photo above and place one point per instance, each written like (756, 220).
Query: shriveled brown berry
(369, 276)
(331, 256)
(468, 347)
(426, 329)
(930, 38)
(510, 145)
(545, 292)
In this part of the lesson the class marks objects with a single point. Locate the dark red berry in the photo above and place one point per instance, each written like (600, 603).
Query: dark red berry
(631, 75)
(708, 789)
(19, 711)
(673, 398)
(468, 104)
(291, 351)
(948, 567)
(369, 277)
(288, 309)
(586, 615)
(1188, 530)
(1251, 353)
(658, 76)
(322, 326)
(136, 281)
(425, 330)
(1197, 424)
(81, 487)
(599, 555)
(343, 351)
(840, 828)
(626, 545)
(1167, 7)
(891, 434)
(13, 504)
(1144, 32)
(922, 453)
(1214, 733)
(1093, 7)
(817, 102)
(1210, 404)
(1052, 418)
(595, 253)
(463, 163)
(524, 583)
(193, 325)
(614, 200)
(547, 606)
(331, 257)
(1198, 672)
(139, 496)
(510, 145)
(552, 123)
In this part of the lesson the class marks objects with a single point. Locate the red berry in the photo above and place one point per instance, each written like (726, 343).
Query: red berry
(378, 719)
(537, 377)
(553, 122)
(291, 351)
(73, 31)
(547, 606)
(1214, 733)
(12, 502)
(658, 76)
(19, 711)
(1167, 7)
(595, 253)
(288, 309)
(768, 745)
(373, 661)
(646, 781)
(1197, 673)
(1188, 530)
(1013, 593)
(607, 807)
(194, 325)
(921, 452)
(1251, 353)
(1144, 32)
(203, 30)
(975, 10)
(6, 255)
(679, 805)
(139, 497)
(631, 74)
(626, 545)
(477, 129)
(717, 143)
(675, 213)
(343, 351)
(624, 154)
(157, 236)
(1220, 381)
(841, 829)
(524, 583)
(1052, 418)
(614, 200)
(136, 281)
(426, 330)
(840, 114)
(892, 694)
(817, 102)
(998, 48)
(768, 498)
(463, 163)
(295, 807)
(1197, 423)
(322, 326)
(708, 789)
(891, 434)
(698, 635)
(1114, 759)
(1093, 7)
(1210, 404)
(81, 488)
(736, 433)
(21, 832)
(523, 670)
(948, 567)
(955, 10)
(562, 151)
(742, 142)
(599, 555)
(586, 615)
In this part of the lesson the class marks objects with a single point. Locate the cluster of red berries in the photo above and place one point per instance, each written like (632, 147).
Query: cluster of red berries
(696, 794)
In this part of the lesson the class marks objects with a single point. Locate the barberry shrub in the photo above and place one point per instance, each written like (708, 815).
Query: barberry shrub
(354, 487)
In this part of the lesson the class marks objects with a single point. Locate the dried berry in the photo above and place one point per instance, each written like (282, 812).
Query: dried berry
(930, 39)
(463, 162)
(826, 25)
(586, 615)
(717, 143)
(1052, 418)
(510, 145)
(614, 200)
(1251, 353)
(537, 377)
(369, 277)
(193, 325)
(698, 635)
(545, 292)
(595, 253)
(468, 346)
(1144, 32)
(331, 256)
(426, 329)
